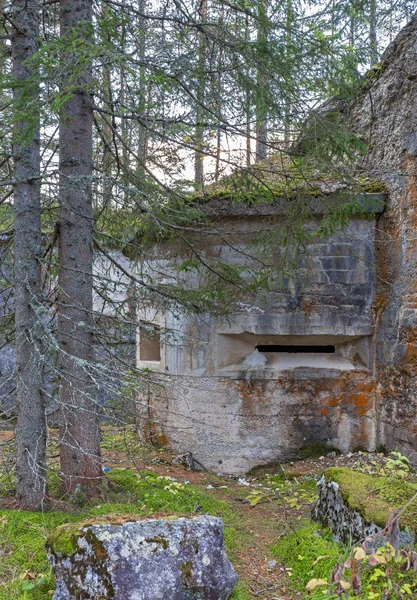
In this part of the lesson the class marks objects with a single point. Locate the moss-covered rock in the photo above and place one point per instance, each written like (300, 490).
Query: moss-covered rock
(376, 497)
(355, 505)
(181, 559)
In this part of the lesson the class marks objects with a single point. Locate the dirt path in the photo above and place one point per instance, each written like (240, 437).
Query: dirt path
(258, 527)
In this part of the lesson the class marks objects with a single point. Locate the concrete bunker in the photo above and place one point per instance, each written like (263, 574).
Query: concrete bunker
(285, 369)
(355, 290)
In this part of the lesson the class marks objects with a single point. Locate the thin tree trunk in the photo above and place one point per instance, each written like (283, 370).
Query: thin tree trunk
(261, 116)
(288, 92)
(352, 26)
(248, 107)
(372, 32)
(143, 100)
(31, 422)
(199, 129)
(80, 434)
(218, 95)
(107, 135)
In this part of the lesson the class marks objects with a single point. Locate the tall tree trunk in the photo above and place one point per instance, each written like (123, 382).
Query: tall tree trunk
(143, 100)
(261, 112)
(80, 434)
(201, 83)
(218, 95)
(373, 53)
(107, 138)
(31, 423)
(248, 105)
(288, 91)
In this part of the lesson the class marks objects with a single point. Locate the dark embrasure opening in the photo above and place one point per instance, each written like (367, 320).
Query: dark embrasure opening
(296, 349)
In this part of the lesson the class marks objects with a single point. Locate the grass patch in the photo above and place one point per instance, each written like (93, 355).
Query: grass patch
(24, 569)
(309, 552)
(154, 493)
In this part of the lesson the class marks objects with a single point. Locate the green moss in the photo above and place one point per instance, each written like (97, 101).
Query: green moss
(23, 535)
(22, 540)
(371, 76)
(187, 573)
(159, 539)
(375, 497)
(316, 450)
(241, 592)
(370, 186)
(64, 539)
(308, 552)
(153, 493)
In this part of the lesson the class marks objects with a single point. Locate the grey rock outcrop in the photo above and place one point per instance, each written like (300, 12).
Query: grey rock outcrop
(181, 559)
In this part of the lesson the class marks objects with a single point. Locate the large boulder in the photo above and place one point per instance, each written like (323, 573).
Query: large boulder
(181, 559)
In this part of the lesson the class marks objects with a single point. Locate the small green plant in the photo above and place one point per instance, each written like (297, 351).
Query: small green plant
(398, 465)
(284, 491)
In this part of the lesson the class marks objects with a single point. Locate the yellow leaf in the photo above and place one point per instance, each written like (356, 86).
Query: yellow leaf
(313, 583)
(359, 553)
(385, 553)
(345, 585)
(380, 559)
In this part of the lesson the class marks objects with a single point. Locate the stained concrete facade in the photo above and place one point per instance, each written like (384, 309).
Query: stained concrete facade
(234, 405)
(221, 394)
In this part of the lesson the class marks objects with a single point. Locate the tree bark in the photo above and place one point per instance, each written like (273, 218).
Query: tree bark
(288, 92)
(372, 32)
(31, 423)
(200, 96)
(142, 108)
(261, 111)
(80, 434)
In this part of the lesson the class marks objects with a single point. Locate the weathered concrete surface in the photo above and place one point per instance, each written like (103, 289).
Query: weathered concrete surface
(386, 119)
(356, 290)
(232, 425)
(181, 559)
(233, 412)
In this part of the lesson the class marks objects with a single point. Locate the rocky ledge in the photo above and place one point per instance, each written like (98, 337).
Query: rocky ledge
(181, 559)
(356, 506)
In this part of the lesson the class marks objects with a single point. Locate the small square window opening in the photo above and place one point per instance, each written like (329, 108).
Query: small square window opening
(150, 342)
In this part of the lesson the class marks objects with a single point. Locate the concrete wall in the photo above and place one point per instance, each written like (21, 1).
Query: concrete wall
(379, 316)
(232, 425)
(234, 407)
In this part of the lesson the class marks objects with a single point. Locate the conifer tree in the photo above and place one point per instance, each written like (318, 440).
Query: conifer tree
(31, 422)
(80, 435)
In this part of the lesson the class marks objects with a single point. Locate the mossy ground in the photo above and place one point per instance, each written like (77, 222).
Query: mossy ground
(277, 527)
(310, 553)
(300, 550)
(24, 570)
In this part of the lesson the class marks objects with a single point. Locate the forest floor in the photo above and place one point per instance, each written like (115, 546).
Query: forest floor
(258, 512)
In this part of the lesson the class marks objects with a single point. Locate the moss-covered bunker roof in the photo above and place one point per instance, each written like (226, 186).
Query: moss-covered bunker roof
(273, 185)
